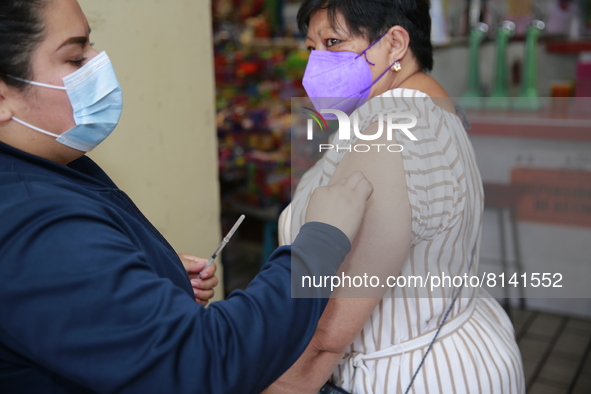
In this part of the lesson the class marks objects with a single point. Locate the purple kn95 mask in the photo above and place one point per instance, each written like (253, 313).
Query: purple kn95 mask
(339, 80)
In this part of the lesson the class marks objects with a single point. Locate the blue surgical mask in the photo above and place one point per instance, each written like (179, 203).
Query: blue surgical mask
(95, 95)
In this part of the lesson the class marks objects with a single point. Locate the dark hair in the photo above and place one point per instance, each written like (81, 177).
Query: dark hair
(372, 18)
(21, 30)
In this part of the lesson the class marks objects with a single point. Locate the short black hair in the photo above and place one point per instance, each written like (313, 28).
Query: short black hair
(21, 30)
(372, 18)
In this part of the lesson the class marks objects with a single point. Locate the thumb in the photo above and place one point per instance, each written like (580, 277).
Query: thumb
(196, 267)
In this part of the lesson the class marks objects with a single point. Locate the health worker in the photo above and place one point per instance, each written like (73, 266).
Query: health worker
(92, 298)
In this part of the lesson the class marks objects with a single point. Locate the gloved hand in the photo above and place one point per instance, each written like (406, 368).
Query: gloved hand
(341, 204)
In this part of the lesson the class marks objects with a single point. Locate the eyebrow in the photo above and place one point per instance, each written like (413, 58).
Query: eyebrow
(319, 32)
(76, 40)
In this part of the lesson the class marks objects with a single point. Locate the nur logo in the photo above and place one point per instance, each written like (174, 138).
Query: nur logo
(390, 121)
(317, 116)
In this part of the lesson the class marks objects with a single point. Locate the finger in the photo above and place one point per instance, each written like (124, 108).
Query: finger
(203, 295)
(364, 189)
(360, 185)
(196, 268)
(355, 179)
(204, 284)
(338, 183)
(206, 295)
(209, 272)
(201, 302)
(351, 181)
(193, 264)
(190, 258)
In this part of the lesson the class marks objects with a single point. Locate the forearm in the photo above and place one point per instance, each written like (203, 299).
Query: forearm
(336, 330)
(312, 370)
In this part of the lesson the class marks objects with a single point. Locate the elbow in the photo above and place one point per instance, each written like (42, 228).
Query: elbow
(325, 342)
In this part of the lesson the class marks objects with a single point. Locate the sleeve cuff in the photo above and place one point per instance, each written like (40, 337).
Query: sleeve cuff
(319, 251)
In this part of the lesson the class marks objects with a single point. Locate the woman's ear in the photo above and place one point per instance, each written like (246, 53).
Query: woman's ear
(399, 40)
(5, 109)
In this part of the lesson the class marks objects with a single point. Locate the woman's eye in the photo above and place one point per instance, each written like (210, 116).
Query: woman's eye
(332, 42)
(77, 62)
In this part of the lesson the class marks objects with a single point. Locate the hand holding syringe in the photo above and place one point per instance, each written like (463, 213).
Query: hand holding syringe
(224, 242)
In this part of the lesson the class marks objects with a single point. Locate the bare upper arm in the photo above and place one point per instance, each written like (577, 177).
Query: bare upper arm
(380, 249)
(429, 85)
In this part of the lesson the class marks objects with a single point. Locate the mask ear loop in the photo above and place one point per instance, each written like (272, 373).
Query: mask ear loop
(380, 77)
(43, 85)
(364, 53)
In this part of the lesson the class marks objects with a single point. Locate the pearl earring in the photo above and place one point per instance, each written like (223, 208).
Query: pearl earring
(397, 66)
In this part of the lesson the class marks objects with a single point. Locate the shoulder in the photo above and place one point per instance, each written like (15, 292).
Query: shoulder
(376, 155)
(41, 218)
(61, 234)
(381, 161)
(432, 88)
(36, 207)
(27, 189)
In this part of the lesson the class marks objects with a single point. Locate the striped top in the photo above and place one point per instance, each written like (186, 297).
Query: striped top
(476, 350)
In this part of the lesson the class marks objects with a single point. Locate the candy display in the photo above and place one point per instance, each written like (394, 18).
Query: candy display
(259, 66)
(257, 74)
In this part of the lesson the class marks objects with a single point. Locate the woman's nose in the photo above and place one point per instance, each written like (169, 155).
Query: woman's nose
(92, 53)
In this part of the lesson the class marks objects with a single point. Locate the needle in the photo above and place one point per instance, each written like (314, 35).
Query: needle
(224, 242)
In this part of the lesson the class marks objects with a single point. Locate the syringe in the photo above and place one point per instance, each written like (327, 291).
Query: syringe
(224, 242)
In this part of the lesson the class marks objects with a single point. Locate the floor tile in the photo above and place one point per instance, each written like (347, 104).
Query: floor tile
(587, 367)
(559, 370)
(571, 344)
(529, 368)
(520, 318)
(541, 388)
(545, 325)
(519, 313)
(583, 385)
(556, 360)
(533, 349)
(584, 326)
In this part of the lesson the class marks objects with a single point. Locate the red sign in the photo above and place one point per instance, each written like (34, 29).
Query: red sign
(553, 196)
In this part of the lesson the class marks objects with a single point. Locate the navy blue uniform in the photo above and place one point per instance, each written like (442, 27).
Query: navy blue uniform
(93, 298)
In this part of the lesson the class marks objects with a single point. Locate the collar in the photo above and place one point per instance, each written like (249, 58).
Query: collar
(83, 170)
